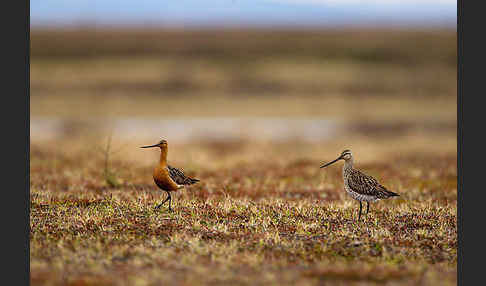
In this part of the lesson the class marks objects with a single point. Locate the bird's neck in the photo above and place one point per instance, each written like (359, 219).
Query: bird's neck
(163, 156)
(348, 164)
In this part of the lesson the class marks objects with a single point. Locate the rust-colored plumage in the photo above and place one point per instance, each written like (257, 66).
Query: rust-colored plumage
(167, 178)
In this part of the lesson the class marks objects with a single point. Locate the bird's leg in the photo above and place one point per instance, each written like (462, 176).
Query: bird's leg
(367, 208)
(170, 200)
(166, 199)
(360, 207)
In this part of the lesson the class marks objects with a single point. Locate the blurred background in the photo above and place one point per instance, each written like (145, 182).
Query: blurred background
(244, 80)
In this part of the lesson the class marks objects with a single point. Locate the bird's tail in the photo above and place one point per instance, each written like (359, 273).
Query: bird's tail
(193, 181)
(384, 193)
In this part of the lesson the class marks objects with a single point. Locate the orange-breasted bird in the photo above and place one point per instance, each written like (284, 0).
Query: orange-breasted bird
(167, 178)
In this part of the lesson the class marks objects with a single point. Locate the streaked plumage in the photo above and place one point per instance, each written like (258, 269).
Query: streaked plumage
(167, 178)
(363, 186)
(360, 186)
(179, 177)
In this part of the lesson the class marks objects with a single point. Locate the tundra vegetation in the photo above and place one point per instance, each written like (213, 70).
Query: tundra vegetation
(263, 212)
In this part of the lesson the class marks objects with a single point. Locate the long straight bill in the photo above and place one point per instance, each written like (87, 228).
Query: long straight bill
(325, 165)
(156, 145)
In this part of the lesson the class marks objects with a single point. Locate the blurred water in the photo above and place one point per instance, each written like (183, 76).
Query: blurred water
(222, 128)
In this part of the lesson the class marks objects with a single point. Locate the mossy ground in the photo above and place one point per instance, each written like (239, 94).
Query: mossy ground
(266, 221)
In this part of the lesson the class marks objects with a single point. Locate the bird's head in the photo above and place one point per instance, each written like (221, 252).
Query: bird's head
(346, 155)
(161, 144)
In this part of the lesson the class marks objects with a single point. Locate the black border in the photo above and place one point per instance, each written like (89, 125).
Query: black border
(27, 147)
(470, 109)
(16, 143)
(460, 257)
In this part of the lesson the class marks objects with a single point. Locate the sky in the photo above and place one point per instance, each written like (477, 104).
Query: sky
(243, 12)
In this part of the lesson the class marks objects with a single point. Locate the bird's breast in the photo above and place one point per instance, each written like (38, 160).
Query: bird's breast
(163, 180)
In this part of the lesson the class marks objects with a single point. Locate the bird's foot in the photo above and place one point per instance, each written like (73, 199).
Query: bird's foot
(158, 207)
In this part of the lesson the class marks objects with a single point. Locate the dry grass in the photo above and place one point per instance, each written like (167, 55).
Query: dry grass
(262, 220)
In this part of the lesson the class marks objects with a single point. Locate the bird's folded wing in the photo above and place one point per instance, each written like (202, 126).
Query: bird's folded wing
(178, 176)
(367, 185)
(362, 183)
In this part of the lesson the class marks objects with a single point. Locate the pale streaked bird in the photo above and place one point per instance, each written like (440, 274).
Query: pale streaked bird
(360, 186)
